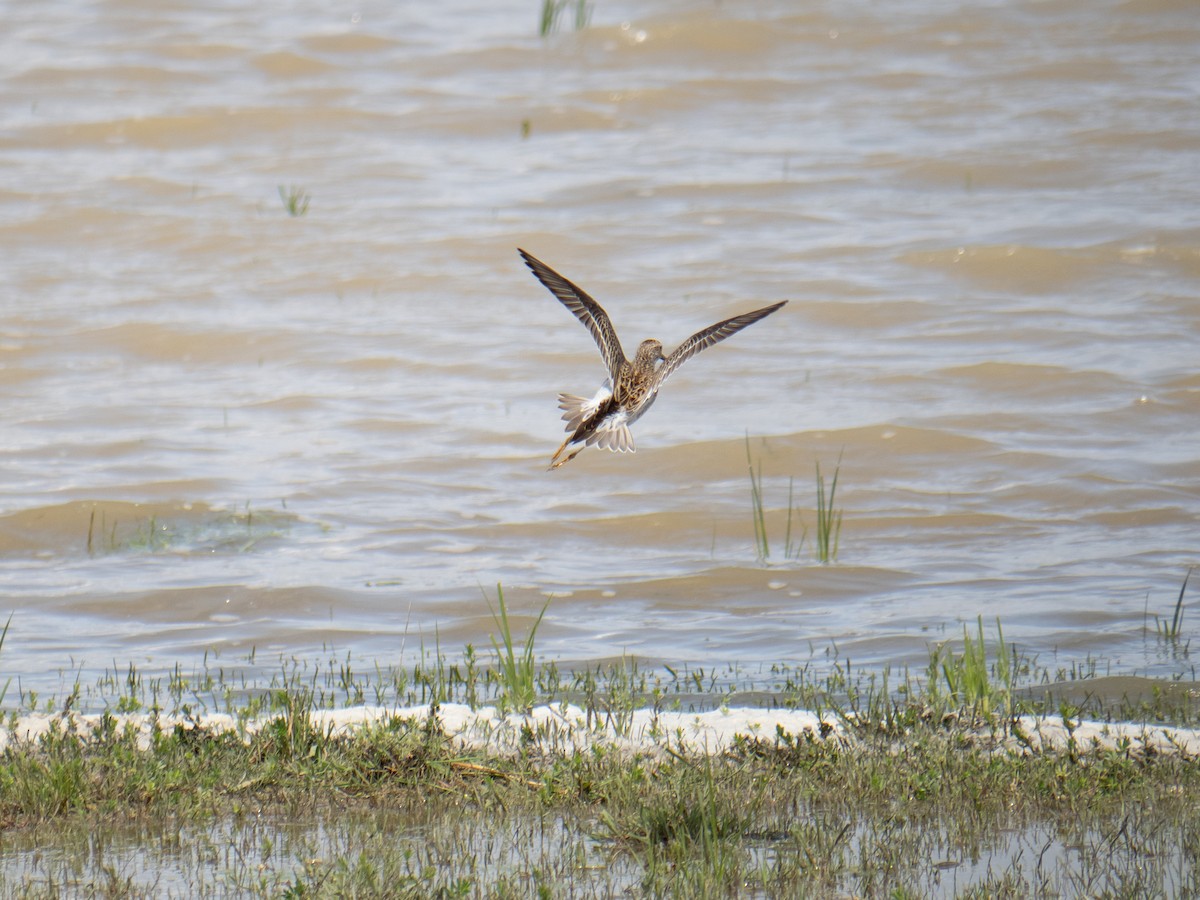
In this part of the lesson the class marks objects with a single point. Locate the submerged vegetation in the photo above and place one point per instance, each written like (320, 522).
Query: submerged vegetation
(553, 10)
(1170, 629)
(828, 516)
(181, 530)
(3, 635)
(295, 199)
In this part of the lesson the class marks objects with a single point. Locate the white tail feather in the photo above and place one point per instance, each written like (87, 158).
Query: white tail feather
(572, 408)
(576, 409)
(613, 434)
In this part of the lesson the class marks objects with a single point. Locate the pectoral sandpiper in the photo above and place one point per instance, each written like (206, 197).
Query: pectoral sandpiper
(604, 420)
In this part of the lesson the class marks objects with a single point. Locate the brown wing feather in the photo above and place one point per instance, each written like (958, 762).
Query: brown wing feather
(713, 334)
(586, 310)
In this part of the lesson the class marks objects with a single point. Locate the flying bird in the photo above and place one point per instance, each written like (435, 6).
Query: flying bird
(632, 386)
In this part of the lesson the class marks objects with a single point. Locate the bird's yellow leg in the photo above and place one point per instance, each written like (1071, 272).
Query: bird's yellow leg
(554, 463)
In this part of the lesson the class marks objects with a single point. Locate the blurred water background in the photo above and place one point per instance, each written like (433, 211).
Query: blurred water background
(234, 428)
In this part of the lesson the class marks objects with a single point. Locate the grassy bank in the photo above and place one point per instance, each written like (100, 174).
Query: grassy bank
(397, 808)
(928, 786)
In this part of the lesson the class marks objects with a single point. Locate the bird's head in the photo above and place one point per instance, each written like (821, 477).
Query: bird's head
(649, 353)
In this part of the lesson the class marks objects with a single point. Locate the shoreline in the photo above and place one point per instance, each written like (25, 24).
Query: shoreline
(569, 729)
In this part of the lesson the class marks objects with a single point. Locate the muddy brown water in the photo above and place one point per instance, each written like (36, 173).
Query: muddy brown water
(228, 429)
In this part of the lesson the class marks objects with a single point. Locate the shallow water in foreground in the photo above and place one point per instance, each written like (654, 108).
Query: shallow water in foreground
(231, 431)
(264, 856)
(603, 798)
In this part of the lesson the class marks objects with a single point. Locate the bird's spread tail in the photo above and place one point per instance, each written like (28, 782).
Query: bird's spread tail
(613, 434)
(616, 438)
(575, 409)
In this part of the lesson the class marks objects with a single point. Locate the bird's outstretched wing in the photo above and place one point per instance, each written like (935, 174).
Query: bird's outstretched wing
(713, 334)
(586, 310)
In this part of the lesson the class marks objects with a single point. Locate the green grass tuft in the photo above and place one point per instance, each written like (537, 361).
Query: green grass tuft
(1171, 630)
(829, 518)
(3, 635)
(973, 683)
(517, 673)
(761, 545)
